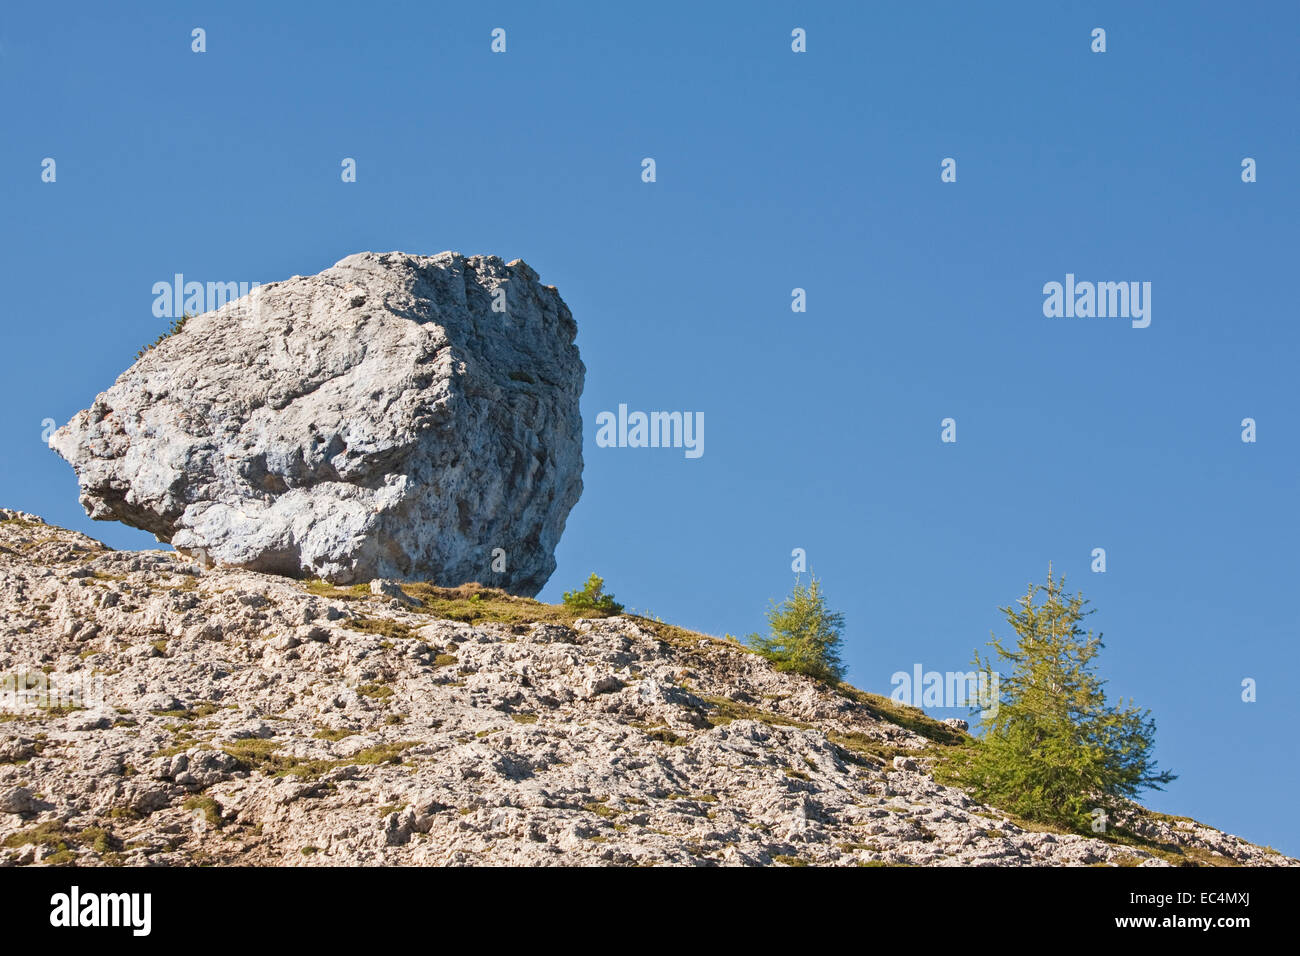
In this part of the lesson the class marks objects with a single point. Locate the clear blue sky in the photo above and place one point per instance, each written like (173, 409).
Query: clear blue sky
(775, 170)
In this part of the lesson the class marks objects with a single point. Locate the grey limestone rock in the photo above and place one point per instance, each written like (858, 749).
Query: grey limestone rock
(395, 416)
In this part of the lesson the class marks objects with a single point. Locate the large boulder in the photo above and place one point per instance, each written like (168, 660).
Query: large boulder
(384, 418)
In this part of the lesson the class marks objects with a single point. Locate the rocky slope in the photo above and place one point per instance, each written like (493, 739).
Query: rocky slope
(252, 719)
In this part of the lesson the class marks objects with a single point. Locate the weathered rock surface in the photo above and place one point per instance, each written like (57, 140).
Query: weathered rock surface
(379, 419)
(252, 719)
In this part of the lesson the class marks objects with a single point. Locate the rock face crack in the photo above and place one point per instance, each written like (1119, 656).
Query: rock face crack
(379, 419)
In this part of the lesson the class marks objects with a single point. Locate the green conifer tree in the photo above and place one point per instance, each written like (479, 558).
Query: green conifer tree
(1053, 749)
(593, 598)
(805, 634)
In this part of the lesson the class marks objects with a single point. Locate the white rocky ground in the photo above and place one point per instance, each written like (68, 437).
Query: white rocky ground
(247, 722)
